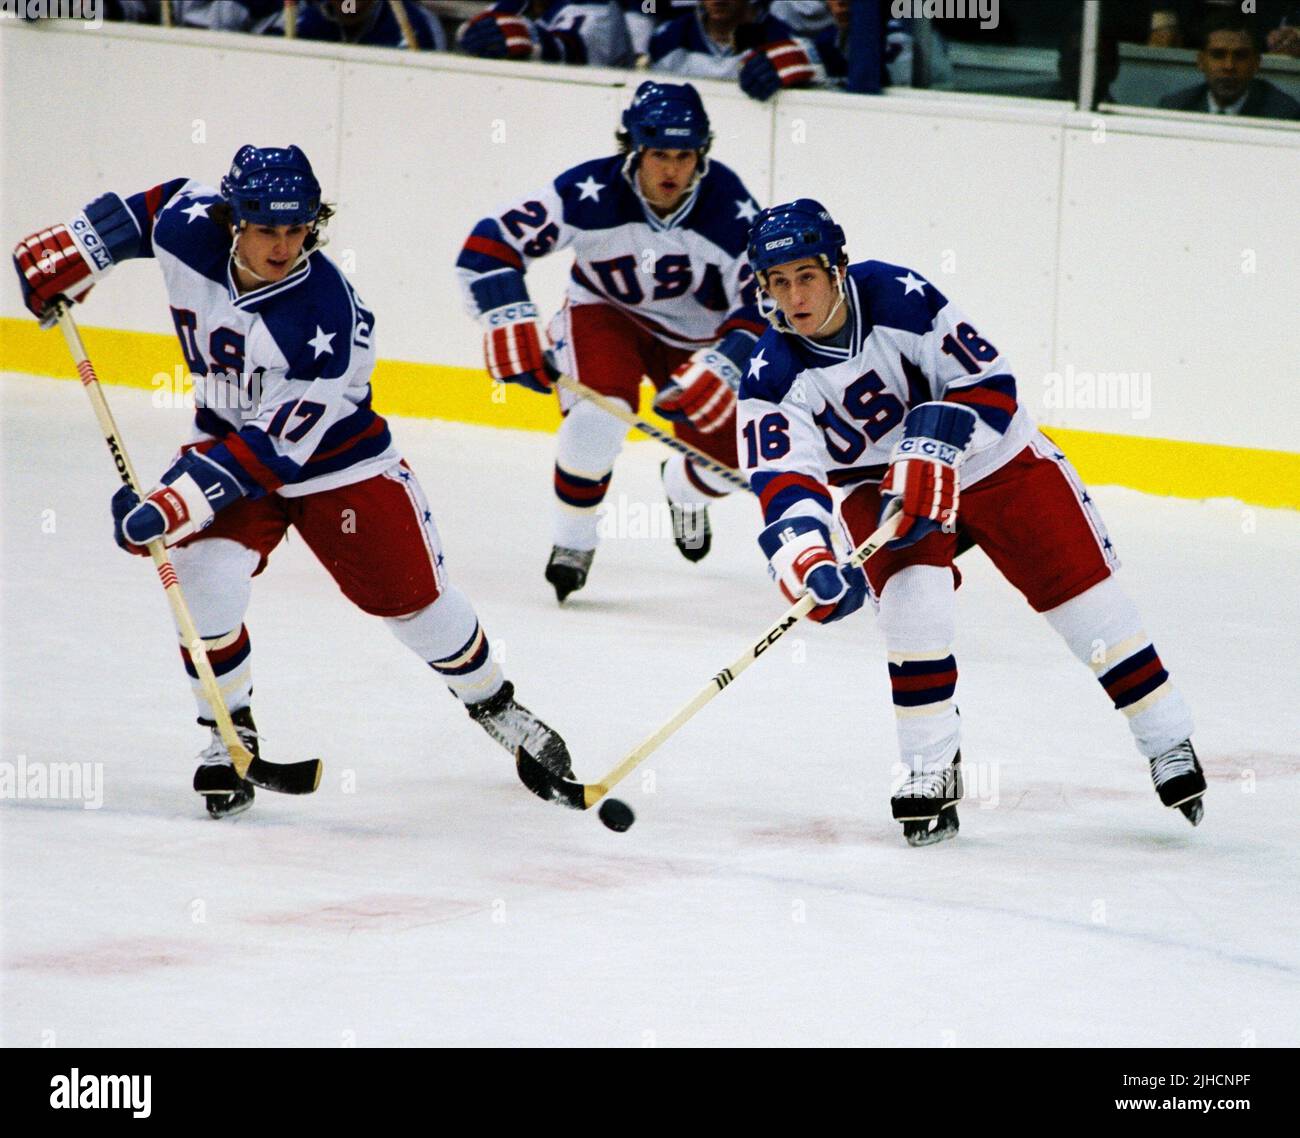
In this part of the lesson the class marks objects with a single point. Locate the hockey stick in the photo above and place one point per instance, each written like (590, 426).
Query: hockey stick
(291, 19)
(613, 407)
(582, 796)
(287, 778)
(404, 22)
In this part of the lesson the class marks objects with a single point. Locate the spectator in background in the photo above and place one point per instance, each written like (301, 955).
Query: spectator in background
(555, 31)
(1285, 38)
(1180, 23)
(641, 24)
(736, 39)
(367, 22)
(804, 17)
(1229, 60)
(225, 15)
(832, 45)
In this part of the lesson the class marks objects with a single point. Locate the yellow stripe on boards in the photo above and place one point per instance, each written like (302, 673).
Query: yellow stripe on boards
(1182, 469)
(466, 395)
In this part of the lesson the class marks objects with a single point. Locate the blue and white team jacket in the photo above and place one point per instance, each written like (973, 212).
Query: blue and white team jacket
(281, 374)
(578, 31)
(684, 278)
(682, 47)
(812, 416)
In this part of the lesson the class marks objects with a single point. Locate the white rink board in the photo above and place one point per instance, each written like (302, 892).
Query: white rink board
(1157, 235)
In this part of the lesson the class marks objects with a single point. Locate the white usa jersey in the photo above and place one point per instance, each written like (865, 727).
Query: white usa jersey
(684, 278)
(282, 373)
(812, 416)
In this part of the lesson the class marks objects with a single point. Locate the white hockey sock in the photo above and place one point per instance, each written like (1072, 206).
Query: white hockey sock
(1103, 629)
(587, 444)
(448, 637)
(216, 576)
(916, 616)
(689, 484)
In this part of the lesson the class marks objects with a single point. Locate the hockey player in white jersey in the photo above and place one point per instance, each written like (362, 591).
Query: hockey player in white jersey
(659, 288)
(280, 348)
(554, 31)
(872, 382)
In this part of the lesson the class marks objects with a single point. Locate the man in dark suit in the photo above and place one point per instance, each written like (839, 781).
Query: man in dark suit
(1229, 60)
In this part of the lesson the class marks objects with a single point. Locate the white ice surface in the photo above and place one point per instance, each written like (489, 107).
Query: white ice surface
(764, 896)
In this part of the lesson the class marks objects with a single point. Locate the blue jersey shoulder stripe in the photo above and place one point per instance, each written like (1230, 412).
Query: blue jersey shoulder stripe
(892, 296)
(192, 237)
(313, 324)
(595, 195)
(721, 210)
(772, 369)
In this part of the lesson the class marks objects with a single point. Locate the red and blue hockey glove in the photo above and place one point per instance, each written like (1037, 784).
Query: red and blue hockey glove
(766, 69)
(800, 558)
(187, 501)
(498, 35)
(67, 259)
(512, 347)
(922, 482)
(702, 391)
(52, 263)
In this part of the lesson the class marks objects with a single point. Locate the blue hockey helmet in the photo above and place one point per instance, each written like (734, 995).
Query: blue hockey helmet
(269, 185)
(667, 116)
(790, 232)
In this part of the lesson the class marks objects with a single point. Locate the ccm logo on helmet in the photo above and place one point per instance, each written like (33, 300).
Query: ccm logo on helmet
(285, 205)
(779, 243)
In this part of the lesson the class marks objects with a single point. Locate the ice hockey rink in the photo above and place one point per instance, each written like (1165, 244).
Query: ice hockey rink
(764, 896)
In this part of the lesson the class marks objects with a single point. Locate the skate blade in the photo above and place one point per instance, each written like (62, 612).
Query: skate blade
(1193, 810)
(217, 811)
(918, 831)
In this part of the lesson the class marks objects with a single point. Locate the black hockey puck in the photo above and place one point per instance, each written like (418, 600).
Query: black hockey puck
(616, 815)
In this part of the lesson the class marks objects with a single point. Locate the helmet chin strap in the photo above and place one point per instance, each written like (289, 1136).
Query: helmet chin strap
(240, 263)
(244, 267)
(839, 302)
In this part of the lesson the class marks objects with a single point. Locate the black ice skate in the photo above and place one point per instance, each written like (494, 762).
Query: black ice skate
(514, 726)
(225, 793)
(567, 570)
(691, 530)
(1180, 781)
(926, 804)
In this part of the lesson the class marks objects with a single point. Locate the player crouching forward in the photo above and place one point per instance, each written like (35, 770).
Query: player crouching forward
(280, 349)
(659, 288)
(871, 380)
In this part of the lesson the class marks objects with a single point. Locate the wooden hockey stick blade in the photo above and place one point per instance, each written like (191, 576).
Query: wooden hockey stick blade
(550, 787)
(286, 778)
